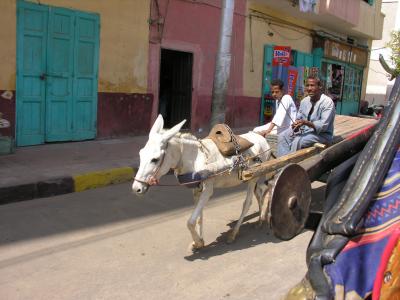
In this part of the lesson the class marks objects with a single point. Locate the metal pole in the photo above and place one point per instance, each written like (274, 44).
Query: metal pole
(222, 65)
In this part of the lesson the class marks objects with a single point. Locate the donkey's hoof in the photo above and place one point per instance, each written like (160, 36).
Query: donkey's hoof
(259, 224)
(231, 237)
(196, 246)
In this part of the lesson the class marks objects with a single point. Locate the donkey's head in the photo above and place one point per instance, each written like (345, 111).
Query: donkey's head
(154, 159)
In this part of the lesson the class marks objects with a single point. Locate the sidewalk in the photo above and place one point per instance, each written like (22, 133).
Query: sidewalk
(60, 168)
(54, 169)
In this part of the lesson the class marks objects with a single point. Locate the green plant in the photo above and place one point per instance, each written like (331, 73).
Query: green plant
(394, 45)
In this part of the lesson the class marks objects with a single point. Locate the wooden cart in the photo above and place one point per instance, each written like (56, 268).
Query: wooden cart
(287, 201)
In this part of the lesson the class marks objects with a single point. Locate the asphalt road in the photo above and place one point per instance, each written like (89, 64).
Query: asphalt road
(109, 244)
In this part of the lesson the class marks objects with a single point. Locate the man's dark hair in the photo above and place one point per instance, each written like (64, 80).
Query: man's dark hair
(277, 82)
(316, 78)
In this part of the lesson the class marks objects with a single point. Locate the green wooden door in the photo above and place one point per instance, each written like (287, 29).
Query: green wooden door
(56, 94)
(302, 59)
(31, 67)
(351, 90)
(86, 56)
(266, 105)
(59, 75)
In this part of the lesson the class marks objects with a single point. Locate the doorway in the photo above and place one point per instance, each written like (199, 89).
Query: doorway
(342, 83)
(332, 77)
(175, 95)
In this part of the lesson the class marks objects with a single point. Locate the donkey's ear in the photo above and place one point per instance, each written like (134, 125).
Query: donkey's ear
(157, 126)
(174, 130)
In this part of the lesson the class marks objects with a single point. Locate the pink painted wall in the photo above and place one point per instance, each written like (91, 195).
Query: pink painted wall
(347, 10)
(7, 108)
(194, 27)
(120, 114)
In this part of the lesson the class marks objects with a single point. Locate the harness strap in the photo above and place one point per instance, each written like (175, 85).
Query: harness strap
(238, 160)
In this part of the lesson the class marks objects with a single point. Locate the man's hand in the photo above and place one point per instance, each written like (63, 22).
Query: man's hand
(298, 123)
(264, 133)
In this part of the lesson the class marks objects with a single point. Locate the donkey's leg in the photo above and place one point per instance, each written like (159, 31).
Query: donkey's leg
(260, 192)
(196, 197)
(205, 195)
(246, 205)
(266, 201)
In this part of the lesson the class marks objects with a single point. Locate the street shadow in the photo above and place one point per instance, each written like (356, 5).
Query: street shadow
(250, 235)
(318, 198)
(316, 207)
(44, 217)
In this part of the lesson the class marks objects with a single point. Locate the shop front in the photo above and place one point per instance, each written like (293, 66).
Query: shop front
(342, 68)
(292, 67)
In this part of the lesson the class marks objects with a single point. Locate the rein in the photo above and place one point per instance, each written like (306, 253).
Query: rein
(185, 183)
(154, 181)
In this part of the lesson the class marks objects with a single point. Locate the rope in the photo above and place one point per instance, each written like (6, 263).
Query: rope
(186, 183)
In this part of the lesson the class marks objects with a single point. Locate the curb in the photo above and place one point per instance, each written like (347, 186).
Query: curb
(65, 185)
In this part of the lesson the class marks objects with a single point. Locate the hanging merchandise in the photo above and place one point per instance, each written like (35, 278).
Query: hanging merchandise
(292, 79)
(329, 77)
(268, 101)
(300, 83)
(268, 74)
(307, 5)
(314, 71)
(306, 73)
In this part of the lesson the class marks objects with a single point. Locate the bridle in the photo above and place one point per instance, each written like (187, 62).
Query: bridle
(152, 179)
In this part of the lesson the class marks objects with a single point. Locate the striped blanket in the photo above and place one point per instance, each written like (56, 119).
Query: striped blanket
(362, 263)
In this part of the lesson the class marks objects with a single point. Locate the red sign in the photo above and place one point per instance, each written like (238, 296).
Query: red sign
(292, 79)
(281, 56)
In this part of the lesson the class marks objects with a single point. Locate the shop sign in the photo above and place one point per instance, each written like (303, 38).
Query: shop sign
(281, 56)
(345, 53)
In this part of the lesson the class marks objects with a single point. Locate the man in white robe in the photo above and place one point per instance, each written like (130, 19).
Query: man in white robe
(285, 113)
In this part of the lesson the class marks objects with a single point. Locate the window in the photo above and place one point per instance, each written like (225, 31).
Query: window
(370, 2)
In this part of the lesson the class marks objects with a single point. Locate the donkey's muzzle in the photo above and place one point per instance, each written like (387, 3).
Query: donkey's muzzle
(139, 188)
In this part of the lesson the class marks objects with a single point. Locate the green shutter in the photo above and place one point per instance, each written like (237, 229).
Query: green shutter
(267, 76)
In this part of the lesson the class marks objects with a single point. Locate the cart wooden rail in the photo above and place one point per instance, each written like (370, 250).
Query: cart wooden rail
(344, 128)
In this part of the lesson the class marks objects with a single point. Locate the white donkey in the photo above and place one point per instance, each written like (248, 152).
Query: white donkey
(197, 159)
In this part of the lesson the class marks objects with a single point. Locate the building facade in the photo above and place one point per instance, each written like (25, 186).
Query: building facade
(330, 38)
(379, 86)
(76, 70)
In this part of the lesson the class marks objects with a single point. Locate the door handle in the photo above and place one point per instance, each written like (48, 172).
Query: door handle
(43, 76)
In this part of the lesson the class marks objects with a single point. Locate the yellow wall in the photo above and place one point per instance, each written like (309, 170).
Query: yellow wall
(124, 43)
(8, 44)
(366, 73)
(282, 35)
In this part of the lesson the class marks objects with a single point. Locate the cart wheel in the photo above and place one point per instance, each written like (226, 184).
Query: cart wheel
(290, 202)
